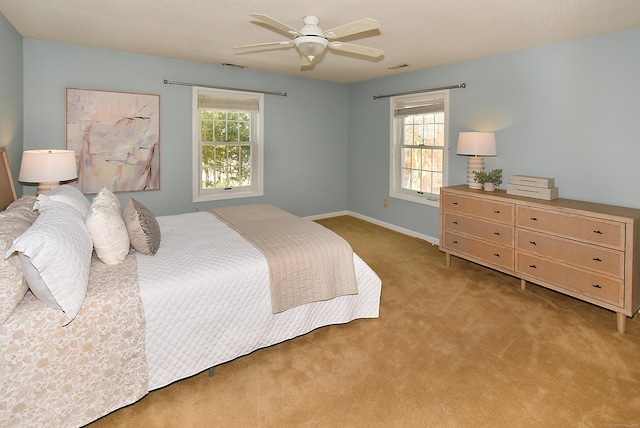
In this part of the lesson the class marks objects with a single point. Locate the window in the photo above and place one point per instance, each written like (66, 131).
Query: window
(228, 144)
(419, 144)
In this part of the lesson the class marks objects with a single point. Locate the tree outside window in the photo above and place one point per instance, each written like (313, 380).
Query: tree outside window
(228, 140)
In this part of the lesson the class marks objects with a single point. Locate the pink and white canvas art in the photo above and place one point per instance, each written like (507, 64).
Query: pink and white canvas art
(116, 137)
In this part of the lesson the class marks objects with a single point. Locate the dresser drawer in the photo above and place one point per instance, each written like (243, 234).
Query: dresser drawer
(490, 210)
(582, 228)
(494, 232)
(589, 284)
(588, 256)
(490, 253)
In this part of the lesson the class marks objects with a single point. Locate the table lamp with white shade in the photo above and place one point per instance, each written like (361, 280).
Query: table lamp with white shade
(476, 145)
(48, 168)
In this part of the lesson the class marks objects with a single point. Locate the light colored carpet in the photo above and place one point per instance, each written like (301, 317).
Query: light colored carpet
(453, 347)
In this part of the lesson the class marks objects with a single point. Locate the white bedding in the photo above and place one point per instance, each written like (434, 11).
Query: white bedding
(206, 299)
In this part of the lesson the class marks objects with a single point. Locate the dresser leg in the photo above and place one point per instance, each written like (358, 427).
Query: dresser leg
(523, 284)
(622, 322)
(447, 259)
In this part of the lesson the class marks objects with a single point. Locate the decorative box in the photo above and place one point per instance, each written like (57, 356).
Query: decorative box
(525, 180)
(533, 192)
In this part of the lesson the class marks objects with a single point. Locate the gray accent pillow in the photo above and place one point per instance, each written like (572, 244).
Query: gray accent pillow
(142, 226)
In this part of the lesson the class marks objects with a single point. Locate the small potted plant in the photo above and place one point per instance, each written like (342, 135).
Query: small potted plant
(489, 180)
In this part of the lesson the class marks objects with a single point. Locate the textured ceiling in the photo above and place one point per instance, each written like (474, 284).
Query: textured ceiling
(420, 33)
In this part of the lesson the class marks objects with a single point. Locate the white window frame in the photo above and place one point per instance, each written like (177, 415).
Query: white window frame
(257, 149)
(396, 139)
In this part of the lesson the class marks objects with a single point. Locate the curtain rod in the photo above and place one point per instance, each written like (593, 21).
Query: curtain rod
(173, 82)
(461, 85)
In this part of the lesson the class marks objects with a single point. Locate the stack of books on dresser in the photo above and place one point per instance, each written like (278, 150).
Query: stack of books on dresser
(532, 187)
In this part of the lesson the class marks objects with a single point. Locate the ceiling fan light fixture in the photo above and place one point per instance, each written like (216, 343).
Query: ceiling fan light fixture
(311, 46)
(311, 42)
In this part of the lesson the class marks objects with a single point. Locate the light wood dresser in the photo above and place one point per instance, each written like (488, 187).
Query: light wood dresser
(582, 249)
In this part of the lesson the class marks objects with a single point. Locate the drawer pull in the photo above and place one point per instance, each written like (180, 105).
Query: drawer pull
(533, 266)
(532, 242)
(496, 233)
(455, 242)
(454, 203)
(454, 222)
(598, 232)
(597, 259)
(496, 254)
(533, 219)
(596, 286)
(496, 212)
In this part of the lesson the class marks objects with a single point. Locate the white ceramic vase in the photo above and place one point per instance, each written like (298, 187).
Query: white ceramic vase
(489, 187)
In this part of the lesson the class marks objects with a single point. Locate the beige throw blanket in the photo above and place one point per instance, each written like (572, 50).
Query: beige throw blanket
(307, 262)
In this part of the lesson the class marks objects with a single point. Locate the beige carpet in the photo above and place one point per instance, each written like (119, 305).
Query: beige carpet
(453, 347)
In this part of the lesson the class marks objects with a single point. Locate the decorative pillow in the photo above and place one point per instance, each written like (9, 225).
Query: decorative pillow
(143, 228)
(67, 194)
(110, 196)
(17, 218)
(107, 229)
(56, 256)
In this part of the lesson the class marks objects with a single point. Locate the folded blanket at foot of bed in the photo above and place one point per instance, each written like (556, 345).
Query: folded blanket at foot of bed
(307, 262)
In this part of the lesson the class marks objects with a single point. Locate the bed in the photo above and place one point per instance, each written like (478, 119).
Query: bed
(190, 292)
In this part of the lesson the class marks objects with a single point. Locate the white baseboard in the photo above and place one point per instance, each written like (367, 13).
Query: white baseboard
(328, 215)
(432, 240)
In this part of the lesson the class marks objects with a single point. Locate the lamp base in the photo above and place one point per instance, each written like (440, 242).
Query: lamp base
(475, 163)
(45, 186)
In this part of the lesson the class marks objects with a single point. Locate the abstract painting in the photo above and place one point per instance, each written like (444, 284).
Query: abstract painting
(116, 137)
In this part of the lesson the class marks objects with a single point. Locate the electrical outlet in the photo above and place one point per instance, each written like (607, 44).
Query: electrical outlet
(386, 202)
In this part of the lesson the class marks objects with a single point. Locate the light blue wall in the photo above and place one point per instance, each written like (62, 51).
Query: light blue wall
(11, 94)
(306, 133)
(568, 111)
(565, 111)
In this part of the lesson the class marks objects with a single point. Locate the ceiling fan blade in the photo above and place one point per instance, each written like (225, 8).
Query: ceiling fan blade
(356, 49)
(275, 24)
(366, 24)
(269, 45)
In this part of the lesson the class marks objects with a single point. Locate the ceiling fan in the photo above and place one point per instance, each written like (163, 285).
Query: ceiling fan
(311, 41)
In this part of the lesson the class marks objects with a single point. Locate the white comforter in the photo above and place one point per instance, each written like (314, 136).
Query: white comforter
(206, 299)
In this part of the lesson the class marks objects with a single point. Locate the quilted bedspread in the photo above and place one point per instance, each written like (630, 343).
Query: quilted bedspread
(206, 297)
(54, 376)
(307, 262)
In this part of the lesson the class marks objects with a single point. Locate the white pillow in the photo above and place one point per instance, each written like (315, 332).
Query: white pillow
(110, 196)
(106, 227)
(67, 194)
(36, 283)
(56, 256)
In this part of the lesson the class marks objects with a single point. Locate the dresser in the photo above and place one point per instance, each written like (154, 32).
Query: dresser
(582, 249)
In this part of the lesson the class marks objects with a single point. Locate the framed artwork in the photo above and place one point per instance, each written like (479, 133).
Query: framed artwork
(116, 137)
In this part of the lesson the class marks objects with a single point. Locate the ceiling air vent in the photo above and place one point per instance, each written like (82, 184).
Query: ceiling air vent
(396, 67)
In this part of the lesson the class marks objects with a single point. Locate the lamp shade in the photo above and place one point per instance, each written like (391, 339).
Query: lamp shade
(477, 144)
(39, 166)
